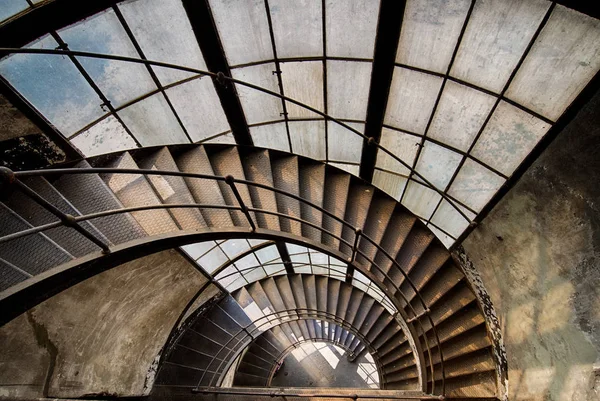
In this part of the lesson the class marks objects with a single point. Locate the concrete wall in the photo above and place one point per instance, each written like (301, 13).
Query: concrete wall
(100, 336)
(538, 253)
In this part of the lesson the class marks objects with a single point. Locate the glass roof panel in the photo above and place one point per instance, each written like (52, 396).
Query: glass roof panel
(450, 220)
(411, 101)
(199, 108)
(350, 28)
(475, 185)
(225, 138)
(391, 184)
(119, 81)
(508, 137)
(308, 138)
(303, 81)
(350, 168)
(445, 238)
(54, 86)
(105, 137)
(198, 249)
(420, 200)
(258, 106)
(343, 144)
(497, 34)
(297, 27)
(460, 115)
(437, 164)
(152, 122)
(345, 100)
(430, 30)
(244, 30)
(559, 65)
(272, 136)
(164, 33)
(8, 8)
(403, 145)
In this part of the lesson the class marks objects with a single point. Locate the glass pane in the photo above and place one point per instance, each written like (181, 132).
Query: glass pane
(199, 108)
(234, 247)
(297, 27)
(350, 168)
(343, 144)
(351, 26)
(475, 185)
(303, 81)
(104, 137)
(164, 33)
(346, 100)
(152, 122)
(391, 184)
(404, 146)
(8, 8)
(272, 136)
(119, 81)
(258, 106)
(198, 249)
(308, 138)
(212, 260)
(429, 33)
(446, 240)
(437, 164)
(244, 30)
(411, 101)
(420, 199)
(508, 137)
(559, 65)
(450, 220)
(225, 138)
(496, 37)
(267, 254)
(459, 116)
(54, 86)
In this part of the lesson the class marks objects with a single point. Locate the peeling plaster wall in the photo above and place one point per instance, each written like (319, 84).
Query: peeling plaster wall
(100, 336)
(538, 253)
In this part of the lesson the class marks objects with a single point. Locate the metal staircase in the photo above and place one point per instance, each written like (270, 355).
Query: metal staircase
(76, 216)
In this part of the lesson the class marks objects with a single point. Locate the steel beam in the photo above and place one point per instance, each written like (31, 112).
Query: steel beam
(391, 14)
(204, 27)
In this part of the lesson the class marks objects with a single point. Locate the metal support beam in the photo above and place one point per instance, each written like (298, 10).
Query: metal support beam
(391, 14)
(285, 257)
(204, 27)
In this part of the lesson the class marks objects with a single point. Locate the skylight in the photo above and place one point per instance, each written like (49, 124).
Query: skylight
(475, 87)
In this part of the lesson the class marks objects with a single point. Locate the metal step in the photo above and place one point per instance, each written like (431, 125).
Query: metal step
(36, 215)
(88, 193)
(312, 177)
(134, 190)
(334, 201)
(357, 208)
(19, 253)
(257, 168)
(204, 191)
(286, 178)
(226, 161)
(170, 189)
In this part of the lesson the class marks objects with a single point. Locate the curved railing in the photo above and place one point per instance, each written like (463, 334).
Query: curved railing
(290, 348)
(9, 178)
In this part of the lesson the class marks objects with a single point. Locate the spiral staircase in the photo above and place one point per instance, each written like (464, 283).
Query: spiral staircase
(434, 340)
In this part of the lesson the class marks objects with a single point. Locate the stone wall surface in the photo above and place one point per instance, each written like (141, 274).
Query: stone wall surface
(538, 253)
(101, 336)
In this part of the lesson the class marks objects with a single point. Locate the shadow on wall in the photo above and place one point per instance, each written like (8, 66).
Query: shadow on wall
(538, 253)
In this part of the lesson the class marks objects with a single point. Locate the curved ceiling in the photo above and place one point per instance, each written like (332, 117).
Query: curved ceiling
(468, 90)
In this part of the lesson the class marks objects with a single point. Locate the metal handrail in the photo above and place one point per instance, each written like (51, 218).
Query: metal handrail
(222, 77)
(72, 221)
(293, 314)
(283, 354)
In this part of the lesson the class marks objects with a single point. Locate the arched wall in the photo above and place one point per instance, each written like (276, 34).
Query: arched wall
(538, 253)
